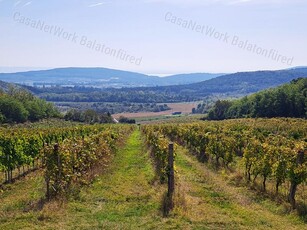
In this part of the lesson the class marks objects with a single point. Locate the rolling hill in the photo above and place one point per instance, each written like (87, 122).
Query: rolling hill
(241, 83)
(99, 78)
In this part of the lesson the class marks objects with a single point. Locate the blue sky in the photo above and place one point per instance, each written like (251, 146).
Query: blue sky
(153, 32)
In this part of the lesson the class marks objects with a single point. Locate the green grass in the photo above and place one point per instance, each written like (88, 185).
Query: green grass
(18, 201)
(213, 202)
(152, 118)
(123, 196)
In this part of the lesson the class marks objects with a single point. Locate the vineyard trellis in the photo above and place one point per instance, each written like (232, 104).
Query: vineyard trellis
(65, 153)
(270, 149)
(164, 155)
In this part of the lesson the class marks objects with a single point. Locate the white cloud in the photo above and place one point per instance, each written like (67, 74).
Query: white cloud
(97, 4)
(27, 4)
(17, 3)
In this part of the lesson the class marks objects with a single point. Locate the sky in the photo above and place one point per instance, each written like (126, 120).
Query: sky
(154, 36)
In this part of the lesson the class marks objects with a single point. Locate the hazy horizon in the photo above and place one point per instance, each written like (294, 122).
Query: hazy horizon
(26, 69)
(155, 36)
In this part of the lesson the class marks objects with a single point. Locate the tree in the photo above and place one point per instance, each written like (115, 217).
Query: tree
(13, 110)
(123, 119)
(219, 110)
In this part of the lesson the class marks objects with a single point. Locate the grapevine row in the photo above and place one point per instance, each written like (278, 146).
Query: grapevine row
(160, 150)
(271, 149)
(22, 146)
(70, 162)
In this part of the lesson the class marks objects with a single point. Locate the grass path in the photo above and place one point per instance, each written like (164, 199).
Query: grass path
(19, 199)
(124, 197)
(212, 203)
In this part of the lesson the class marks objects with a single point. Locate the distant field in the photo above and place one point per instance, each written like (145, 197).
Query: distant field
(184, 108)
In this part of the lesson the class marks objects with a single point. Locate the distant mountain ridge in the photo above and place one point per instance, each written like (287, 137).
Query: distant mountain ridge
(99, 77)
(226, 86)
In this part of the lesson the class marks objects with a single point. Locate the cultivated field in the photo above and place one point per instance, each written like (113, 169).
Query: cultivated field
(184, 108)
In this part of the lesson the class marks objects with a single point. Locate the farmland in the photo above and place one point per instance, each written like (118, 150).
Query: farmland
(184, 108)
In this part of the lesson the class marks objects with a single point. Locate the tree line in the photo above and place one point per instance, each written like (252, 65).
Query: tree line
(288, 100)
(88, 116)
(18, 105)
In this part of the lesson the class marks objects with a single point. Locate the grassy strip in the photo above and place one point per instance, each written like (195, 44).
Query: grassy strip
(212, 203)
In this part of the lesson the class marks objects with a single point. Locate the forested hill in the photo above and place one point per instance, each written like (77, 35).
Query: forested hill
(288, 100)
(232, 85)
(238, 83)
(4, 86)
(249, 82)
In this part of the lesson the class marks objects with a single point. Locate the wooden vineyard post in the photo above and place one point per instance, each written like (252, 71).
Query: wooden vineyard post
(9, 170)
(294, 184)
(59, 166)
(47, 188)
(171, 174)
(50, 163)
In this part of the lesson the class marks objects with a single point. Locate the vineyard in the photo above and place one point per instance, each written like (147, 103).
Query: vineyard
(128, 175)
(274, 150)
(66, 154)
